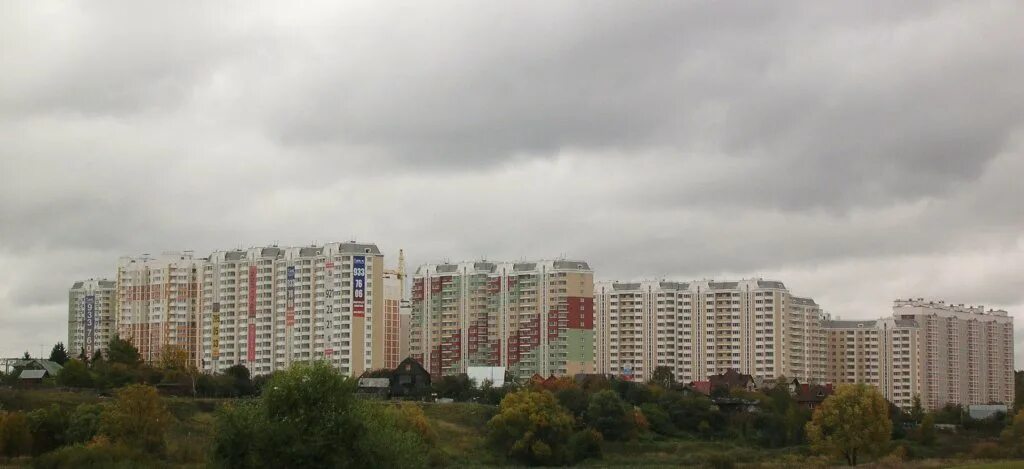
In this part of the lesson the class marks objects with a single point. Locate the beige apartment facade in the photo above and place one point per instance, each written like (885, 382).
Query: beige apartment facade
(156, 303)
(269, 307)
(943, 353)
(392, 330)
(965, 352)
(703, 328)
(92, 305)
(531, 317)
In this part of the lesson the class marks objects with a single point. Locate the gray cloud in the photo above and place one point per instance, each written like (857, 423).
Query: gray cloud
(859, 151)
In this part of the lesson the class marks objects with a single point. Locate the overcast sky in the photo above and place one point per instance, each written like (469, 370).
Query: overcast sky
(858, 151)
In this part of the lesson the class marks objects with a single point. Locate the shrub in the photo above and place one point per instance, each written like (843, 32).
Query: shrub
(49, 428)
(75, 374)
(15, 435)
(137, 418)
(585, 444)
(658, 419)
(573, 399)
(308, 416)
(926, 432)
(531, 427)
(721, 461)
(607, 414)
(987, 450)
(99, 454)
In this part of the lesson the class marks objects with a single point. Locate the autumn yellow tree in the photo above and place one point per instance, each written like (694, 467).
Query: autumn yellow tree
(851, 423)
(177, 365)
(137, 417)
(532, 428)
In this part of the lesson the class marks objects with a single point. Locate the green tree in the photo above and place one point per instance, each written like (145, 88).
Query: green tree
(59, 354)
(137, 418)
(574, 400)
(663, 377)
(532, 428)
(49, 428)
(1013, 436)
(608, 414)
(658, 419)
(15, 434)
(83, 357)
(84, 423)
(75, 374)
(585, 444)
(926, 432)
(850, 423)
(916, 410)
(689, 412)
(1018, 390)
(457, 387)
(308, 416)
(97, 357)
(241, 380)
(27, 356)
(122, 351)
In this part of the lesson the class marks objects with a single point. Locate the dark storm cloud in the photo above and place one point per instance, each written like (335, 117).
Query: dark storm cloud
(860, 150)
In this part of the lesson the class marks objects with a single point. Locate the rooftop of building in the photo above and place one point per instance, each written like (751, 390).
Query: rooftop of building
(753, 283)
(283, 252)
(491, 267)
(850, 324)
(94, 283)
(942, 305)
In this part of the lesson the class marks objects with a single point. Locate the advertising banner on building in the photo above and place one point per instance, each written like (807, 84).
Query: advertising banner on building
(290, 297)
(251, 343)
(252, 291)
(359, 286)
(251, 349)
(89, 320)
(215, 329)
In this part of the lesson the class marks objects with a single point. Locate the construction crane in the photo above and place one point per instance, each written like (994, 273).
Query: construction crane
(401, 264)
(399, 272)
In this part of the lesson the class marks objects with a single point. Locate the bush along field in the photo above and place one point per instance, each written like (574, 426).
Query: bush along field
(311, 416)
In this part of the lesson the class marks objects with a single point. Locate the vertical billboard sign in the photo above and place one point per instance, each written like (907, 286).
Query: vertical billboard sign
(251, 343)
(290, 297)
(215, 327)
(89, 308)
(359, 286)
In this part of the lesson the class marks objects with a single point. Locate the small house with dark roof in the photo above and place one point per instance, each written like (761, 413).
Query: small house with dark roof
(31, 378)
(810, 395)
(731, 380)
(410, 380)
(407, 381)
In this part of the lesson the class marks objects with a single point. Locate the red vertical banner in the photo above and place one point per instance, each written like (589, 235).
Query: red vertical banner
(252, 291)
(251, 352)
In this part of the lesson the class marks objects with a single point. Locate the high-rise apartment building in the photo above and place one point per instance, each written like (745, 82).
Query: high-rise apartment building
(703, 328)
(965, 353)
(532, 317)
(91, 307)
(392, 320)
(269, 307)
(404, 328)
(946, 354)
(156, 302)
